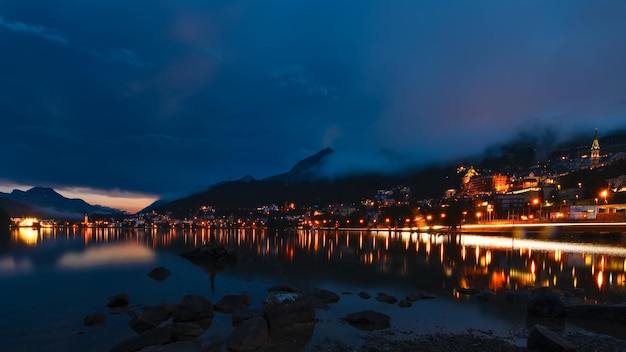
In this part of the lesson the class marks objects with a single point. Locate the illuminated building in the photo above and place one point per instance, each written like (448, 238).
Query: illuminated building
(595, 152)
(486, 185)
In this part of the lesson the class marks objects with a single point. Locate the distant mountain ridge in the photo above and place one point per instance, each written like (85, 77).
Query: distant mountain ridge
(307, 169)
(305, 182)
(46, 202)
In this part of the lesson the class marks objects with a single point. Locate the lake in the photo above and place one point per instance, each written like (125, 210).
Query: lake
(51, 278)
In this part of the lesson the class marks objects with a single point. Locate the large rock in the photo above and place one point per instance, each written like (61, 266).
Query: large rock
(289, 313)
(158, 336)
(249, 335)
(545, 340)
(233, 303)
(118, 301)
(150, 317)
(193, 308)
(545, 302)
(159, 274)
(279, 297)
(188, 331)
(211, 252)
(369, 320)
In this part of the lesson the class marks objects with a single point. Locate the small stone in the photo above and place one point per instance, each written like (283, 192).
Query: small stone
(383, 297)
(94, 319)
(159, 274)
(364, 295)
(368, 320)
(413, 297)
(428, 296)
(405, 303)
(118, 301)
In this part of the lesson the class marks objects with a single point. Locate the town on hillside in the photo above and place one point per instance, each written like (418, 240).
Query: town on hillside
(570, 187)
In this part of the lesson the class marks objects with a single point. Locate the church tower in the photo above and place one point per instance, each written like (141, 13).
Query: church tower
(595, 152)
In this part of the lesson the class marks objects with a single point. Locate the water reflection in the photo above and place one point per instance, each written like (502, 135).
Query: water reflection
(111, 254)
(427, 261)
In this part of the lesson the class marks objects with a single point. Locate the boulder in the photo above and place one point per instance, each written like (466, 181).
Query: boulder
(364, 295)
(239, 316)
(233, 303)
(158, 336)
(545, 340)
(193, 308)
(383, 297)
(159, 274)
(211, 252)
(94, 319)
(545, 302)
(289, 313)
(118, 301)
(279, 297)
(188, 331)
(249, 335)
(150, 317)
(368, 320)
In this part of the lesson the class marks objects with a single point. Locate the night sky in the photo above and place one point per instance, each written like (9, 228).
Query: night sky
(148, 98)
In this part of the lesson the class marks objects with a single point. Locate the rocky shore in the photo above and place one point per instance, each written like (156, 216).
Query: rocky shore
(288, 319)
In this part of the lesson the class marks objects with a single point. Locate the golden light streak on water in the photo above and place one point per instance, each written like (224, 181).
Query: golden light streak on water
(28, 235)
(600, 279)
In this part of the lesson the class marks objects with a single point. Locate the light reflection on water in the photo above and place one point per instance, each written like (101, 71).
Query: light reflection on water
(492, 262)
(392, 261)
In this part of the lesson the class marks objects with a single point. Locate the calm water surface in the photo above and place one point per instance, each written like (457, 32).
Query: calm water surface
(51, 279)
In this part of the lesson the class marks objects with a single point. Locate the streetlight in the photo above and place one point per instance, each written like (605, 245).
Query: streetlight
(536, 202)
(604, 194)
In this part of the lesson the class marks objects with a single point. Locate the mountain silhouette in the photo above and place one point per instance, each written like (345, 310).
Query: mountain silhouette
(46, 202)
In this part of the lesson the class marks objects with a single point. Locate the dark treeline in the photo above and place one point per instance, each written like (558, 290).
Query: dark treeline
(230, 196)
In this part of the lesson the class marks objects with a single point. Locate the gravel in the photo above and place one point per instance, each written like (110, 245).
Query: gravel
(463, 342)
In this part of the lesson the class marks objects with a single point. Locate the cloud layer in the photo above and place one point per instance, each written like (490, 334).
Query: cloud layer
(158, 98)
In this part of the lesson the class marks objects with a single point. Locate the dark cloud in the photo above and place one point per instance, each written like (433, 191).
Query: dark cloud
(160, 97)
